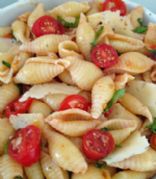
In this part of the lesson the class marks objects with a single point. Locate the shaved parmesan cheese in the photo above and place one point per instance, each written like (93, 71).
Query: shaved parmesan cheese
(23, 120)
(40, 91)
(135, 144)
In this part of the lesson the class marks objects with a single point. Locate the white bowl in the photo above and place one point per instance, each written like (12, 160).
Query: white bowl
(9, 13)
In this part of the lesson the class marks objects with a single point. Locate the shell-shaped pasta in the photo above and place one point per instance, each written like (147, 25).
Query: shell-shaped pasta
(5, 31)
(50, 169)
(68, 48)
(23, 120)
(40, 70)
(34, 171)
(24, 17)
(69, 9)
(64, 152)
(40, 107)
(131, 174)
(153, 74)
(135, 106)
(9, 168)
(94, 7)
(37, 12)
(44, 44)
(84, 36)
(133, 63)
(6, 130)
(80, 76)
(72, 122)
(66, 77)
(102, 93)
(93, 173)
(142, 162)
(86, 94)
(150, 35)
(119, 128)
(9, 93)
(19, 31)
(122, 80)
(40, 91)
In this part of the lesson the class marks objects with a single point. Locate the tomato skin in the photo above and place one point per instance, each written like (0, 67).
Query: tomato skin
(153, 141)
(104, 56)
(24, 147)
(107, 114)
(47, 25)
(97, 144)
(75, 101)
(17, 107)
(115, 5)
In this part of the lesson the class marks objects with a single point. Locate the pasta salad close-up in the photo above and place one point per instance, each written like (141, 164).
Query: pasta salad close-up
(78, 93)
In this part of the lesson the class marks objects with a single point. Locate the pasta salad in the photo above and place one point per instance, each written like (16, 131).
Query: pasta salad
(77, 93)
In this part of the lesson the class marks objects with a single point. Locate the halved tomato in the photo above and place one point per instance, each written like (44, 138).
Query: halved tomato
(153, 141)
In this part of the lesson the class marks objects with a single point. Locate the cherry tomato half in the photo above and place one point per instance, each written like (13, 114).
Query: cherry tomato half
(115, 5)
(153, 141)
(17, 107)
(97, 144)
(75, 101)
(24, 147)
(47, 25)
(104, 56)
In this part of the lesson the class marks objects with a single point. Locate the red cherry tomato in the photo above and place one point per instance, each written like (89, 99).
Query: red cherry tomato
(115, 5)
(107, 114)
(17, 107)
(97, 144)
(24, 147)
(153, 141)
(47, 25)
(75, 101)
(104, 56)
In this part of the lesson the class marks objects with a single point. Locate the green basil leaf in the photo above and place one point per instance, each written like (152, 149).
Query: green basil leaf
(18, 177)
(118, 145)
(69, 24)
(152, 126)
(6, 64)
(117, 95)
(97, 35)
(140, 29)
(105, 129)
(140, 21)
(153, 51)
(100, 164)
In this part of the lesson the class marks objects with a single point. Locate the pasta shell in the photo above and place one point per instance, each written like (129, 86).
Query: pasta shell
(153, 74)
(72, 122)
(84, 36)
(40, 91)
(93, 173)
(4, 31)
(51, 169)
(66, 77)
(80, 76)
(70, 9)
(142, 162)
(133, 63)
(9, 168)
(37, 12)
(102, 92)
(24, 17)
(40, 70)
(86, 95)
(44, 44)
(61, 149)
(9, 93)
(135, 106)
(150, 35)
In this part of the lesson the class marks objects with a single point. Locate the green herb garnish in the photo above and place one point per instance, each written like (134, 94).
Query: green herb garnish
(153, 51)
(105, 129)
(117, 95)
(6, 64)
(152, 126)
(18, 177)
(69, 24)
(100, 164)
(97, 35)
(118, 145)
(6, 147)
(142, 28)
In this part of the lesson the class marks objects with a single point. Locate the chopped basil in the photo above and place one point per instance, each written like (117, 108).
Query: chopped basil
(100, 164)
(142, 28)
(118, 145)
(152, 126)
(105, 129)
(153, 51)
(69, 24)
(97, 35)
(6, 147)
(117, 95)
(18, 177)
(6, 63)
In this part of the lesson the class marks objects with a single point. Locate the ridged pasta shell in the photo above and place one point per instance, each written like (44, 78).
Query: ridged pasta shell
(40, 70)
(44, 44)
(24, 17)
(64, 152)
(50, 169)
(133, 63)
(142, 162)
(84, 36)
(102, 92)
(93, 173)
(9, 168)
(8, 93)
(70, 9)
(66, 77)
(72, 122)
(80, 76)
